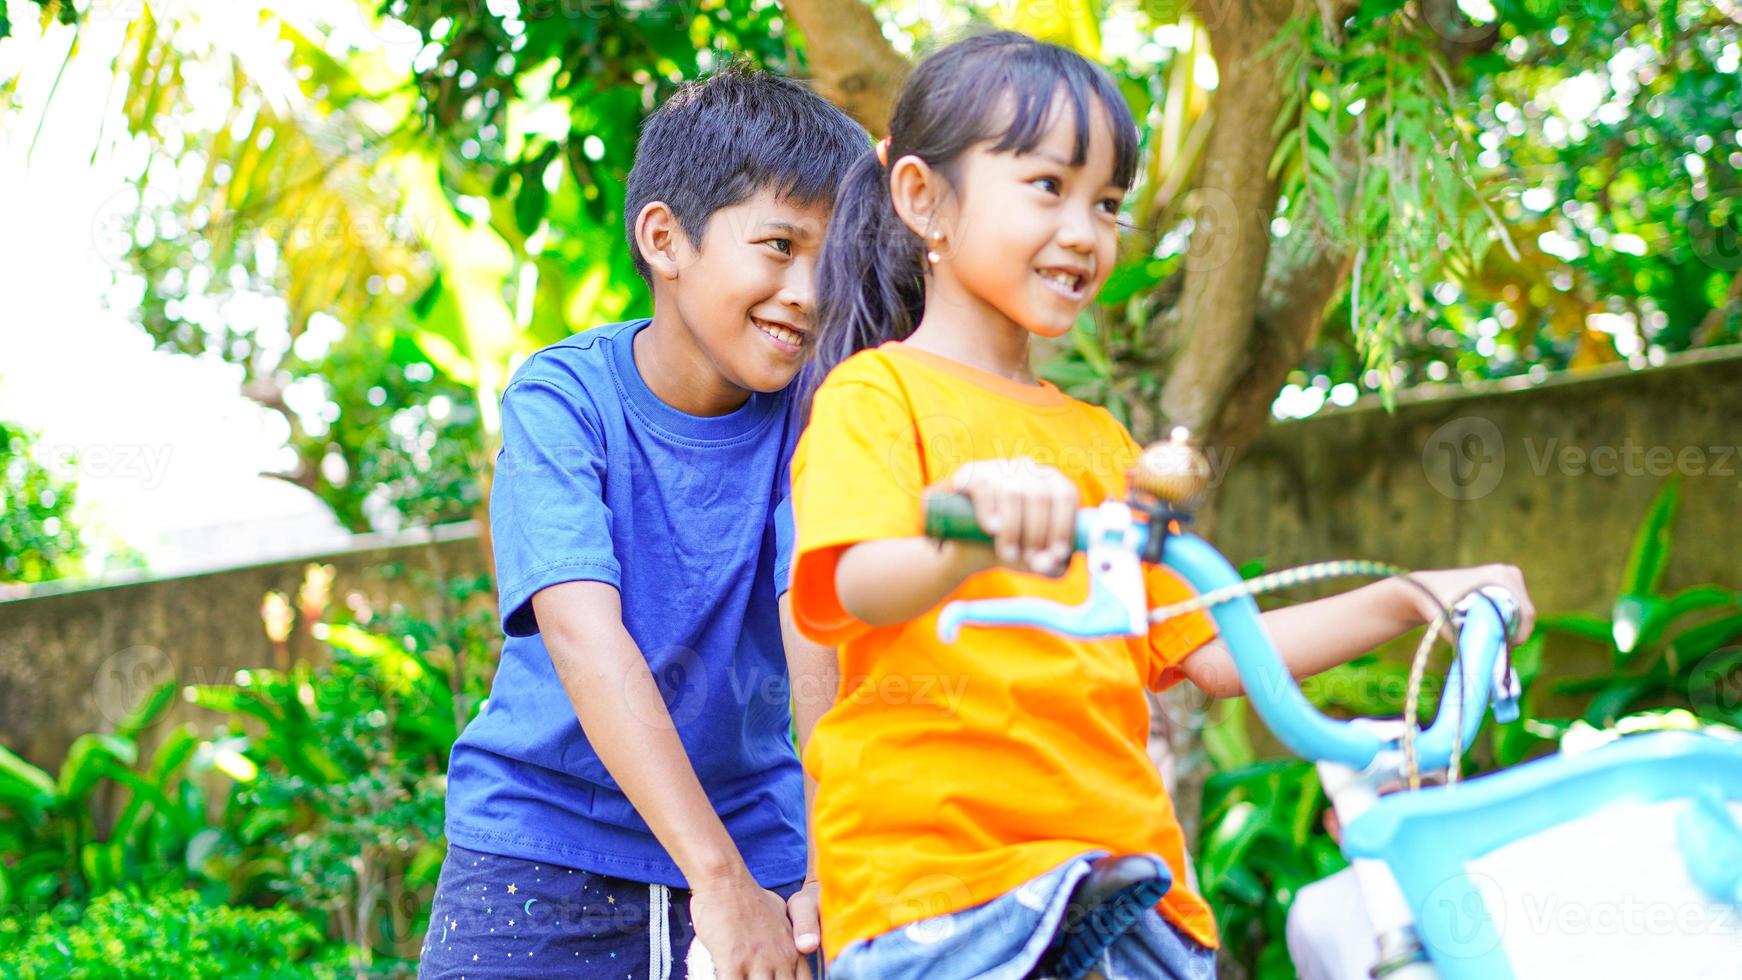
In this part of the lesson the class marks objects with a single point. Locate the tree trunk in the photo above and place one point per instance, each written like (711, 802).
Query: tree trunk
(1245, 315)
(851, 62)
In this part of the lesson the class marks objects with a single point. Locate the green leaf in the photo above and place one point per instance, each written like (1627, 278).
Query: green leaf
(148, 712)
(1613, 701)
(21, 781)
(1285, 151)
(1228, 842)
(1650, 553)
(1627, 624)
(1585, 627)
(1240, 883)
(262, 822)
(1706, 638)
(1226, 741)
(201, 848)
(1130, 279)
(1088, 344)
(530, 203)
(177, 748)
(89, 759)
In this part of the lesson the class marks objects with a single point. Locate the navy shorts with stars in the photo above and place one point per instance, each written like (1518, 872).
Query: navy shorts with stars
(503, 917)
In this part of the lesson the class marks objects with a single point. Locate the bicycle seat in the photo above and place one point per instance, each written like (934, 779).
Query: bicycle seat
(1117, 890)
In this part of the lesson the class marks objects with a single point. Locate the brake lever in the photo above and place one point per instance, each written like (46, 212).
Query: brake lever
(1117, 604)
(1508, 690)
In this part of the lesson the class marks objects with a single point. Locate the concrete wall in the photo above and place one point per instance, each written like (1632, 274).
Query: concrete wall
(77, 660)
(1553, 478)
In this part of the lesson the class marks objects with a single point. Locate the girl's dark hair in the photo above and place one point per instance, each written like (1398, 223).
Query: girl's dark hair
(871, 277)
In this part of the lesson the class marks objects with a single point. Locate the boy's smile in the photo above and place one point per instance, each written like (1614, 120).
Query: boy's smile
(786, 337)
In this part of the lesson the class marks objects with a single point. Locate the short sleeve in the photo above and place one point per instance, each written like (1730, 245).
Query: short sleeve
(1172, 640)
(853, 479)
(548, 519)
(783, 535)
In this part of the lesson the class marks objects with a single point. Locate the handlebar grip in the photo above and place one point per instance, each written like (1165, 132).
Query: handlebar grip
(950, 517)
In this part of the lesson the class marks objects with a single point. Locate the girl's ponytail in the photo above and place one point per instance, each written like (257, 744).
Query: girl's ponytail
(870, 279)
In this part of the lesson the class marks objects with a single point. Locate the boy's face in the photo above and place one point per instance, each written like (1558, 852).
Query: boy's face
(748, 292)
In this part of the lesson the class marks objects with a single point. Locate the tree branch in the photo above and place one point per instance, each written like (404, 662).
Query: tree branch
(852, 64)
(1216, 318)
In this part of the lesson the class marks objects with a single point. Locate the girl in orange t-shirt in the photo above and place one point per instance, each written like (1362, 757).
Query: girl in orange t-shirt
(967, 791)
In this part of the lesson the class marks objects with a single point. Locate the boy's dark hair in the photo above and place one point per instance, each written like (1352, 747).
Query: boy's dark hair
(871, 279)
(720, 139)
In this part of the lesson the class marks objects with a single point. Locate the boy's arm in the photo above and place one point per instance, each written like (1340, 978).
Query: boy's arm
(815, 677)
(626, 721)
(1316, 636)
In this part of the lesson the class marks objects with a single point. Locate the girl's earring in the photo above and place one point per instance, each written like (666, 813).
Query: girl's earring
(931, 255)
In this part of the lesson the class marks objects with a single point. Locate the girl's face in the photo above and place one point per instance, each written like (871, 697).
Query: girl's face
(1031, 236)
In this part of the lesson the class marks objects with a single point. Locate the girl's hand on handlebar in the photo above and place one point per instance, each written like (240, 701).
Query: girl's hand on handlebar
(1030, 511)
(1451, 584)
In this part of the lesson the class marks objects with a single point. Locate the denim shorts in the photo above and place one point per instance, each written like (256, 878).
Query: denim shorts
(499, 917)
(1005, 938)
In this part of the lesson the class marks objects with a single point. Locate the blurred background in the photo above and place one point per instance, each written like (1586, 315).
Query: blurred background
(1438, 282)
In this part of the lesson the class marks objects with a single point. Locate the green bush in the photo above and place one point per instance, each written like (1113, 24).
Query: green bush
(321, 793)
(339, 770)
(127, 934)
(51, 848)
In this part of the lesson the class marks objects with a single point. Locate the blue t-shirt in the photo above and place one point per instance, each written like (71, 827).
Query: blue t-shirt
(600, 480)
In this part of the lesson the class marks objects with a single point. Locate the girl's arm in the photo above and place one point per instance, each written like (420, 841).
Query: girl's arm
(1316, 636)
(1029, 509)
(893, 580)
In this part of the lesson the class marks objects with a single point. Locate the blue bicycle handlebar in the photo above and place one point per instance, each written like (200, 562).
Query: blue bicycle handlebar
(1273, 691)
(1305, 730)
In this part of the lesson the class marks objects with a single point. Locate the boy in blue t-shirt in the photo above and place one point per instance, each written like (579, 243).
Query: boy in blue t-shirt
(631, 784)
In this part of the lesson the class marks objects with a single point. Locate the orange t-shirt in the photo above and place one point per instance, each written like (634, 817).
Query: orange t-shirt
(951, 773)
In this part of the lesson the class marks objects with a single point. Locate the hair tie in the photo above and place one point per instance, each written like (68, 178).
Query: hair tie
(883, 150)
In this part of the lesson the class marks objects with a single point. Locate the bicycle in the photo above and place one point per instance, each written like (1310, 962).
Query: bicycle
(1459, 879)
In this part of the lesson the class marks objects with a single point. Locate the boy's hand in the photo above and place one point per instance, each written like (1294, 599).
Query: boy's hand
(802, 910)
(1451, 584)
(1029, 509)
(744, 928)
